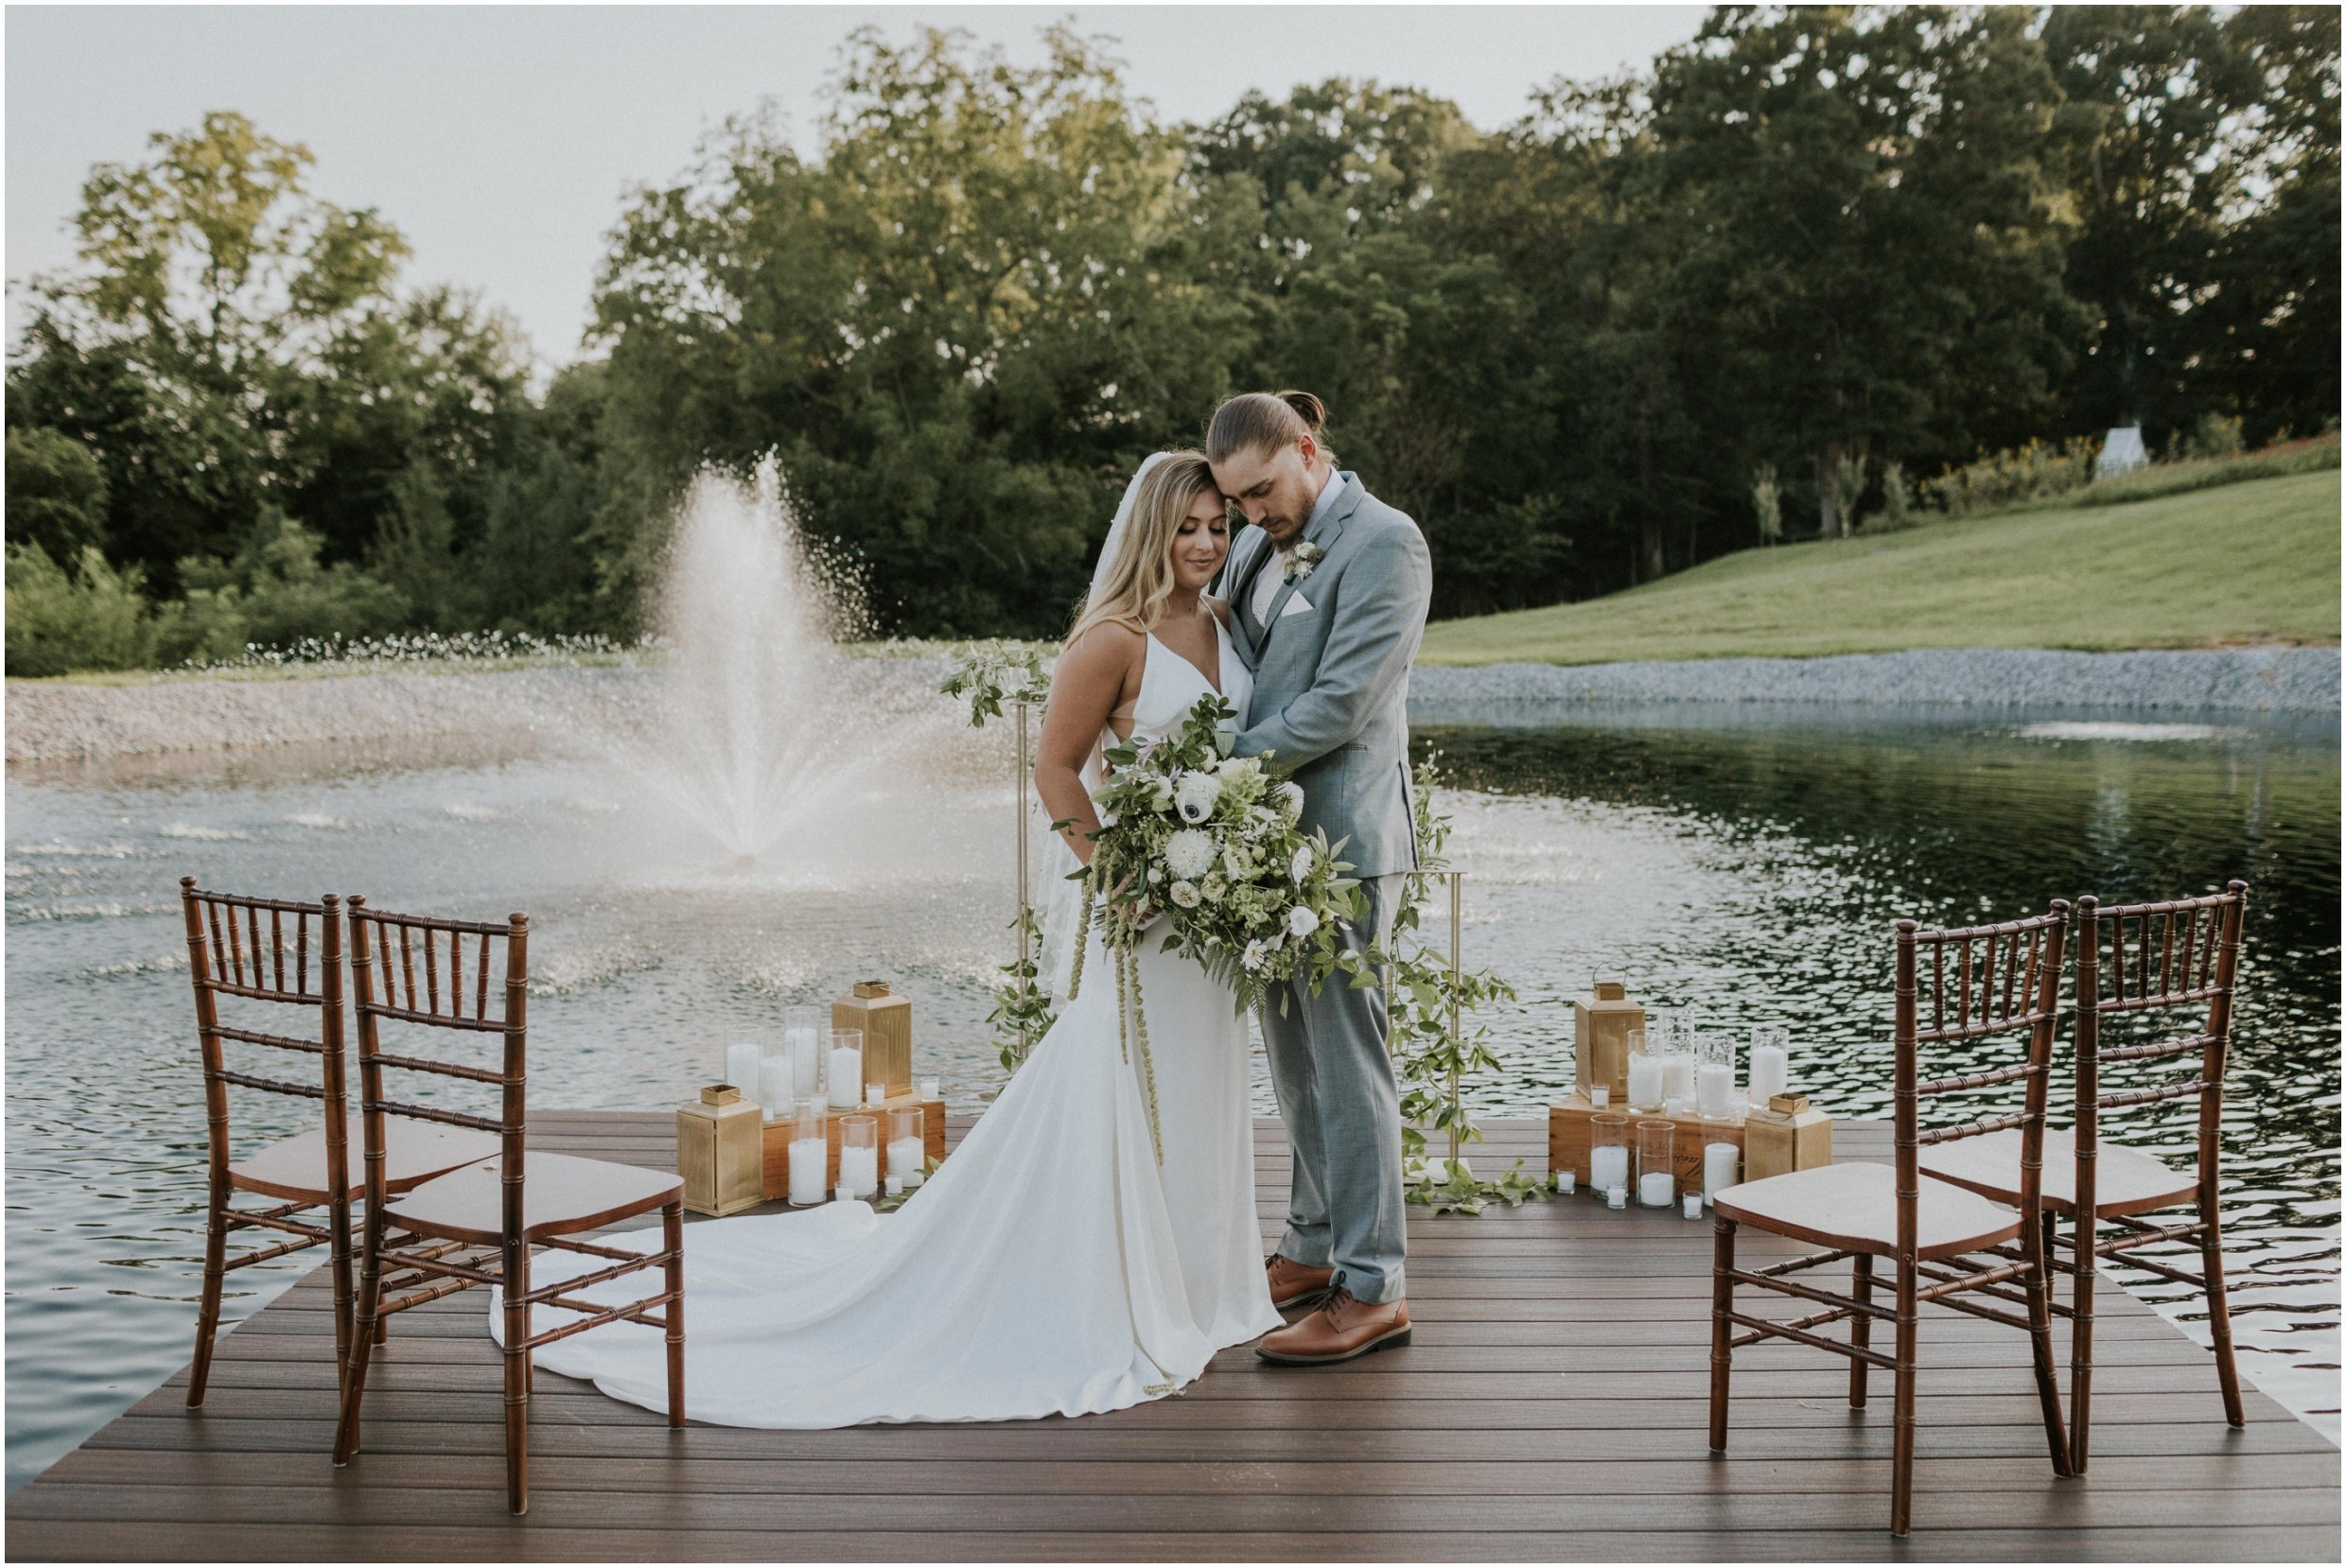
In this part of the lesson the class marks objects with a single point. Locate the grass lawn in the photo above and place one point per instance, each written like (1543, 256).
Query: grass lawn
(2257, 561)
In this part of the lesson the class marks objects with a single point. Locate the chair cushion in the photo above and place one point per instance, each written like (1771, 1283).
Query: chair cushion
(560, 1194)
(413, 1151)
(1855, 1205)
(2124, 1181)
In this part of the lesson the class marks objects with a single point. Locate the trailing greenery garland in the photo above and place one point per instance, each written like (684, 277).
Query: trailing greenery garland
(1420, 988)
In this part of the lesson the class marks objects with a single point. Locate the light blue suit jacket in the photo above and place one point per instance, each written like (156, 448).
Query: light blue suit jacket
(1331, 668)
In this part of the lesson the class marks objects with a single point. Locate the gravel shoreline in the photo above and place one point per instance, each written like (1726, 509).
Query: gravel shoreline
(57, 722)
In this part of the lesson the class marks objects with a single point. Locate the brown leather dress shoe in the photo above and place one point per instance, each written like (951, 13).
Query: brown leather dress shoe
(1341, 1328)
(1295, 1284)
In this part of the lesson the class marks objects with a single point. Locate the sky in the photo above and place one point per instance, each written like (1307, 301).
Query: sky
(503, 140)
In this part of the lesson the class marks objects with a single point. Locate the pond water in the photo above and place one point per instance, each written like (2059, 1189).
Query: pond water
(1744, 861)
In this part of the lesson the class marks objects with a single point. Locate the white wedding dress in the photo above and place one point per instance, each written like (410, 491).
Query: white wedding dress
(1050, 1265)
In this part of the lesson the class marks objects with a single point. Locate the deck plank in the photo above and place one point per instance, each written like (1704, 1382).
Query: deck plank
(1560, 1358)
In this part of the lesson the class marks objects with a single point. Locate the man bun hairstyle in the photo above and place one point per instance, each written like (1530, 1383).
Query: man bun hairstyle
(1265, 421)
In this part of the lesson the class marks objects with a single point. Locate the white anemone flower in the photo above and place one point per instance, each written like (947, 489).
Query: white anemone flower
(1184, 895)
(1253, 957)
(1189, 853)
(1302, 921)
(1195, 793)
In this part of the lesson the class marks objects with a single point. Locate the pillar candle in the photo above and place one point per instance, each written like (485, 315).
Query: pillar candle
(875, 1094)
(807, 1156)
(1694, 1206)
(859, 1170)
(906, 1157)
(1608, 1167)
(1600, 1096)
(1716, 1094)
(776, 1078)
(805, 1060)
(1617, 1197)
(1719, 1162)
(846, 1078)
(1678, 1076)
(1645, 1082)
(741, 1071)
(1767, 1072)
(894, 1186)
(1566, 1181)
(1657, 1188)
(928, 1089)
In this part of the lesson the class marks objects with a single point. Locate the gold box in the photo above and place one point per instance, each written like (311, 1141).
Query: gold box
(887, 1023)
(1601, 1024)
(1570, 1136)
(777, 1140)
(1785, 1135)
(719, 1151)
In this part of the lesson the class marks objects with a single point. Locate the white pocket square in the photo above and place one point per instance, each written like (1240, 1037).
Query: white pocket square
(1297, 605)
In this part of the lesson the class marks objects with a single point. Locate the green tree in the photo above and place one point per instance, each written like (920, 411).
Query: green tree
(57, 493)
(958, 327)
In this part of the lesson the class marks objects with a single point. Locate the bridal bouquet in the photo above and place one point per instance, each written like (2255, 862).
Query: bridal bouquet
(1207, 845)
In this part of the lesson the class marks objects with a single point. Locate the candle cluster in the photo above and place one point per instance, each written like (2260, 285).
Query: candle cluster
(1680, 1143)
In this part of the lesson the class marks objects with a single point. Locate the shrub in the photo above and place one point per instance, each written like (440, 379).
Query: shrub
(60, 621)
(1897, 498)
(272, 593)
(57, 493)
(2036, 471)
(2211, 435)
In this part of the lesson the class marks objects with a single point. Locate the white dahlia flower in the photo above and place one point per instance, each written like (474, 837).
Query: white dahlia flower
(1189, 853)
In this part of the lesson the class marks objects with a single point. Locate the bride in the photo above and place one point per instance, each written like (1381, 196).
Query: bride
(1052, 1264)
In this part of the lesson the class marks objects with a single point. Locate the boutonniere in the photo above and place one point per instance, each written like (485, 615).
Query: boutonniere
(1300, 560)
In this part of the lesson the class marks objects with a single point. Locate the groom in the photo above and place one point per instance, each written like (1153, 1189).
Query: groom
(1328, 588)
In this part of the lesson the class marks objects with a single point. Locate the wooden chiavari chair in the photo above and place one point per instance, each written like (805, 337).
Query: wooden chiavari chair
(1933, 1233)
(239, 949)
(477, 1226)
(2184, 955)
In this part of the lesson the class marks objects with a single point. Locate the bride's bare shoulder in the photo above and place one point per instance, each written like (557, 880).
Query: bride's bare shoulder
(1105, 648)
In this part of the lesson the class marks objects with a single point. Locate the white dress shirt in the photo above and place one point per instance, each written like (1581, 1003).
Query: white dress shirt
(1273, 576)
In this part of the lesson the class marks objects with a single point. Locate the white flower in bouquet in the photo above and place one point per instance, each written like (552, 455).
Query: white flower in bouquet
(1195, 795)
(1155, 875)
(1302, 921)
(1290, 796)
(1254, 957)
(1241, 773)
(1184, 895)
(1162, 790)
(1211, 889)
(1300, 867)
(1189, 854)
(1237, 863)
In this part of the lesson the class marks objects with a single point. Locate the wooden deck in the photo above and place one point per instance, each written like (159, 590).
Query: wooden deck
(1551, 1408)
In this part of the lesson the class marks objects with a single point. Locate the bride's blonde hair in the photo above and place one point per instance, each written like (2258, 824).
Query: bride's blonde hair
(1140, 579)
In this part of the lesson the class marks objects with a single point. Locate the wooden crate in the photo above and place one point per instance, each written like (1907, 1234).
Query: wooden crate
(1569, 1134)
(778, 1141)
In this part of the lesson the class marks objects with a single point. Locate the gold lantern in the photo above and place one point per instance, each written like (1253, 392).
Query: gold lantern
(887, 1023)
(1787, 1134)
(721, 1152)
(1601, 1024)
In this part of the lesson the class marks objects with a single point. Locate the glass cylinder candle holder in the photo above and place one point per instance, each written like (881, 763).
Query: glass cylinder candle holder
(1608, 1153)
(1714, 1077)
(1678, 1075)
(1771, 1050)
(908, 1145)
(741, 1069)
(810, 1152)
(777, 1081)
(1657, 1170)
(1645, 1082)
(1722, 1158)
(805, 1032)
(859, 1155)
(843, 1068)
